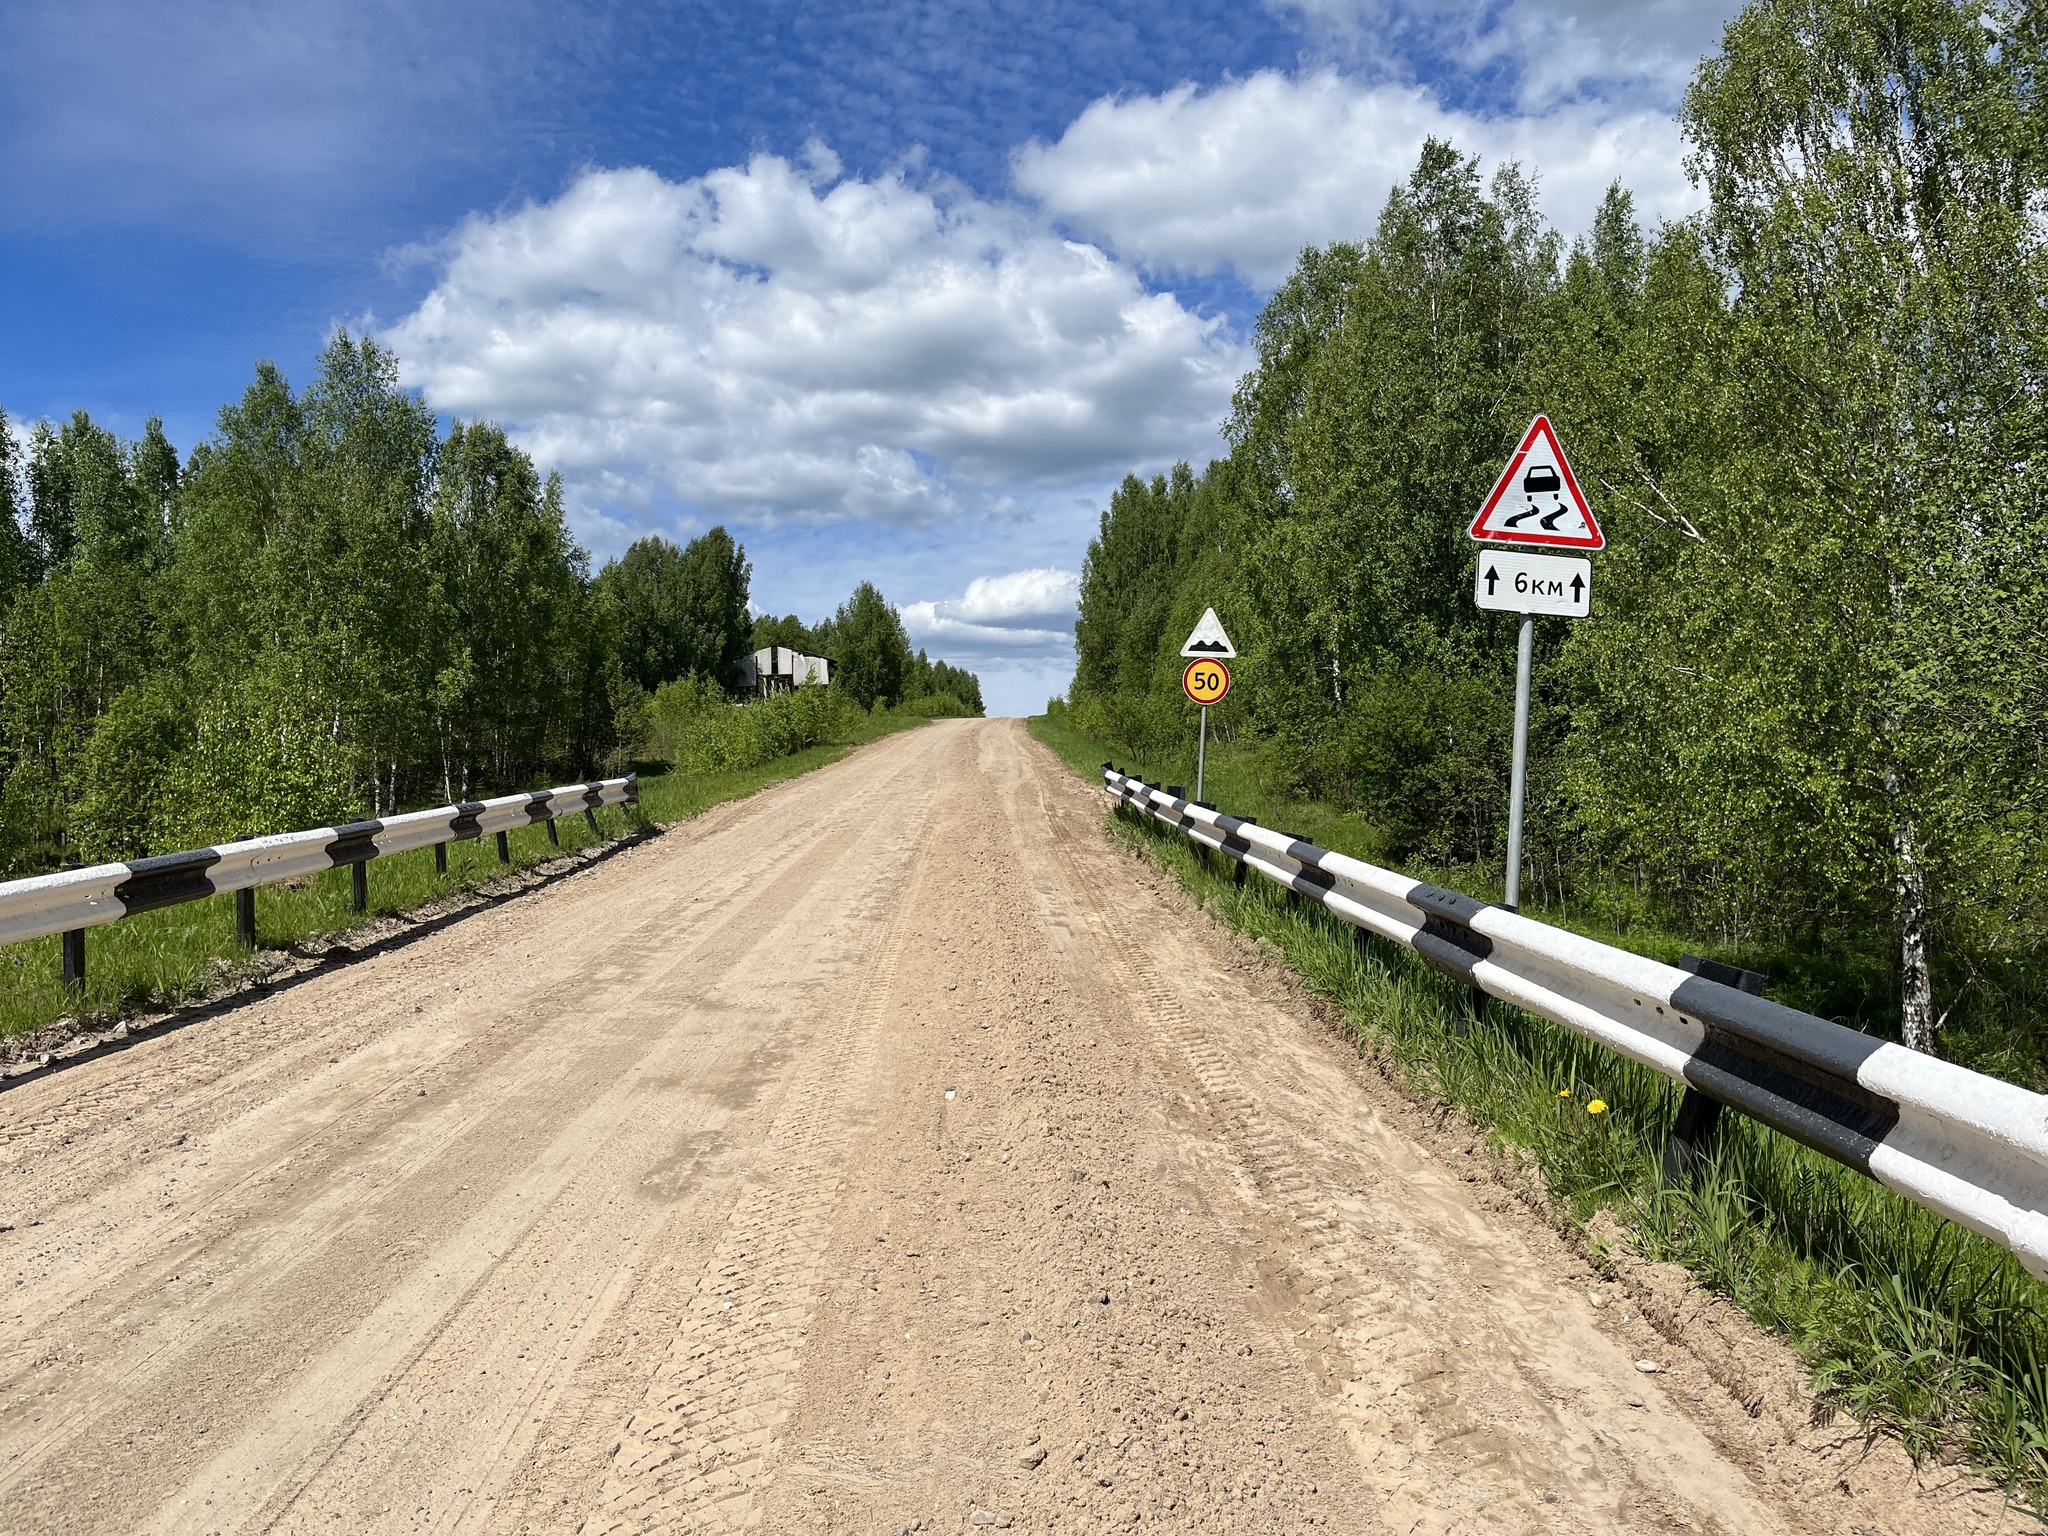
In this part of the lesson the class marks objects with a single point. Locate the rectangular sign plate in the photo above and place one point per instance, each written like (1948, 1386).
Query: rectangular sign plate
(1517, 583)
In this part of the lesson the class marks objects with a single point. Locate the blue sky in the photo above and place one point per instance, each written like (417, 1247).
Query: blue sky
(893, 291)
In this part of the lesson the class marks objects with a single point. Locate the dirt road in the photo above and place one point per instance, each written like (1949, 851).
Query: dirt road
(890, 1151)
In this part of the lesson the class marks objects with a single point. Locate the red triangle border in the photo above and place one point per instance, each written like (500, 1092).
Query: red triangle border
(1539, 427)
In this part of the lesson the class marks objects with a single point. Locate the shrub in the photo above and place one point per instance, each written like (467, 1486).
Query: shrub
(695, 726)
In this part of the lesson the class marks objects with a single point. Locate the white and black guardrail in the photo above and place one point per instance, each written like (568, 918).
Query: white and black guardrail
(73, 900)
(1971, 1147)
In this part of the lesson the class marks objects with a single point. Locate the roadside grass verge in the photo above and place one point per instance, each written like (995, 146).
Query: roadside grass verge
(1919, 1329)
(179, 955)
(1850, 987)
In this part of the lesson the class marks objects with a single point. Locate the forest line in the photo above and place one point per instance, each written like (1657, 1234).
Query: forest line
(333, 609)
(1806, 719)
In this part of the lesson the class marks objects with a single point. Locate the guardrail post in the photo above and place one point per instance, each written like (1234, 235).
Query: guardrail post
(504, 850)
(1699, 1117)
(440, 858)
(1476, 998)
(590, 815)
(1692, 1137)
(74, 960)
(72, 947)
(245, 916)
(1294, 897)
(554, 837)
(359, 885)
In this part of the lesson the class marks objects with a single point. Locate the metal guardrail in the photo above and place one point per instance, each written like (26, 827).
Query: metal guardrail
(73, 900)
(1970, 1147)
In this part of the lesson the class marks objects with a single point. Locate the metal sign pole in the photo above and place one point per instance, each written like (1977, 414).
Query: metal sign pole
(1518, 783)
(1201, 752)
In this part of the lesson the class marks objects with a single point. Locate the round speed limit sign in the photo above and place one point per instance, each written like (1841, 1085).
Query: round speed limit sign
(1205, 681)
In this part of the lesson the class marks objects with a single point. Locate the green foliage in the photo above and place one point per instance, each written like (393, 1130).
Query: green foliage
(789, 631)
(865, 639)
(18, 565)
(694, 726)
(1916, 1326)
(1807, 715)
(335, 610)
(679, 611)
(938, 706)
(120, 797)
(187, 952)
(939, 690)
(1156, 564)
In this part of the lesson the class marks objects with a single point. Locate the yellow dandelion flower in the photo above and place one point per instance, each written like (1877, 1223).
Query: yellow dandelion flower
(1564, 1093)
(1597, 1107)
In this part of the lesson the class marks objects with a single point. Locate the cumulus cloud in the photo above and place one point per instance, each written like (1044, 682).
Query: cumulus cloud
(1027, 613)
(1245, 174)
(772, 342)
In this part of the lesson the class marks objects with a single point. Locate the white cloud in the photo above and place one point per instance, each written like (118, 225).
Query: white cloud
(1245, 174)
(1552, 49)
(1025, 613)
(769, 342)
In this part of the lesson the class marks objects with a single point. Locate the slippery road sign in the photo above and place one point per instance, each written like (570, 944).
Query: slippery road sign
(1514, 582)
(1537, 499)
(1205, 681)
(1208, 638)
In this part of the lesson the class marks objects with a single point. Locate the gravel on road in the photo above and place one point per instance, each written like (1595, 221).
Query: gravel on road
(889, 1152)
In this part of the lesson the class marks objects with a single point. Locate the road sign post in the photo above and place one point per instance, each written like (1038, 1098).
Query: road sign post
(1535, 502)
(1518, 778)
(1206, 680)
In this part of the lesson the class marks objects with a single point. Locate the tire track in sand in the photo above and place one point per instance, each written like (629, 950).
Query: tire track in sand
(701, 1450)
(1449, 1431)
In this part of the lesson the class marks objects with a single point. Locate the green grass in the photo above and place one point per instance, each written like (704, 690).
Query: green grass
(1844, 984)
(1919, 1329)
(181, 954)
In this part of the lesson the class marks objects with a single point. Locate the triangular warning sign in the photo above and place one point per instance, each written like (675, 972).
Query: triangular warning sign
(1208, 638)
(1537, 499)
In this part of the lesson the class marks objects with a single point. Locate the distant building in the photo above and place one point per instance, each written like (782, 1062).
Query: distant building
(777, 669)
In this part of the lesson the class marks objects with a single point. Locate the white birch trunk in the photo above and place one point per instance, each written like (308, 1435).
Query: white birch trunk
(1918, 1025)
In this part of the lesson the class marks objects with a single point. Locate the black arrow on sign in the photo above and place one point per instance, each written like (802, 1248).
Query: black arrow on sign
(1578, 586)
(1492, 577)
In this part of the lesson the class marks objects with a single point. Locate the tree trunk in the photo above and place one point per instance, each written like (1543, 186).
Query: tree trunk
(1917, 1023)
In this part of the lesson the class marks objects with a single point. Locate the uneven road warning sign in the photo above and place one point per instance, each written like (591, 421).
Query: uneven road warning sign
(1514, 582)
(1537, 499)
(1205, 681)
(1208, 638)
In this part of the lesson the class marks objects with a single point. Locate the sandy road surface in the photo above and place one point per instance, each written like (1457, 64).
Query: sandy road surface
(887, 1151)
